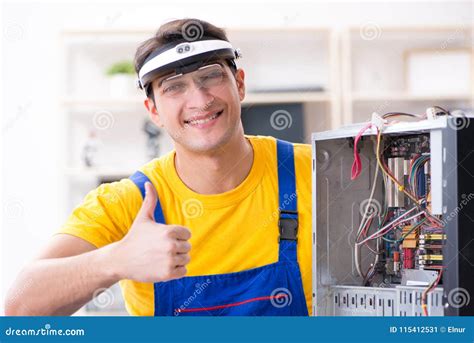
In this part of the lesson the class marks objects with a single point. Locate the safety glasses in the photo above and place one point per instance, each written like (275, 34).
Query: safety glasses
(207, 77)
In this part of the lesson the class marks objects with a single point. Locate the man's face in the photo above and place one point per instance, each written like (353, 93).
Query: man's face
(200, 110)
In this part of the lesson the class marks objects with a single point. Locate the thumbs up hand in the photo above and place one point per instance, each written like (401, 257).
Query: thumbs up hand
(152, 252)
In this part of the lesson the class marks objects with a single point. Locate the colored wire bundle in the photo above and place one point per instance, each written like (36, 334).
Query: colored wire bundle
(387, 172)
(419, 216)
(418, 202)
(424, 295)
(390, 226)
(415, 226)
(415, 167)
(367, 218)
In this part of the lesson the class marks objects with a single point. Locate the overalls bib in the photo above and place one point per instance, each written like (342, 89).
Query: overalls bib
(272, 290)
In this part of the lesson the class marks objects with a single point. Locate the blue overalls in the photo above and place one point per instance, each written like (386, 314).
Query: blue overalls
(271, 290)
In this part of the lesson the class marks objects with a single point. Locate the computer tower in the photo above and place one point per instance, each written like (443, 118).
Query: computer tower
(433, 161)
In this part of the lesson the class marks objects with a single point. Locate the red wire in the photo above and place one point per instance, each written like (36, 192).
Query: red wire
(357, 164)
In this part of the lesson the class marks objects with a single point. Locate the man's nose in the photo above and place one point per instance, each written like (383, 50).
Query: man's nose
(198, 97)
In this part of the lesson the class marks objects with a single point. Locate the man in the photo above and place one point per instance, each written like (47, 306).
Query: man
(219, 226)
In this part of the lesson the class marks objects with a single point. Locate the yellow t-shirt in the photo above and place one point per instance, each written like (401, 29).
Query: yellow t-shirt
(231, 231)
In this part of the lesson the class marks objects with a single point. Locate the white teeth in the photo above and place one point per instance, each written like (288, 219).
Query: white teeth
(203, 121)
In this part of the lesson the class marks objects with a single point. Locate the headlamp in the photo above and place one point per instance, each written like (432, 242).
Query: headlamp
(184, 57)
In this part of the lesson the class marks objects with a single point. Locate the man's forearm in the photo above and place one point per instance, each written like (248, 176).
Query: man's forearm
(60, 286)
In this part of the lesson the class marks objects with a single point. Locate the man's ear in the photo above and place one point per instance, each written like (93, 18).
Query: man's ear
(151, 108)
(240, 78)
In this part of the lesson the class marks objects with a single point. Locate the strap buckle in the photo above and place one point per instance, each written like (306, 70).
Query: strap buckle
(288, 226)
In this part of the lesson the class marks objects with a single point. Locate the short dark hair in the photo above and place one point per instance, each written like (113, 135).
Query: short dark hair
(174, 31)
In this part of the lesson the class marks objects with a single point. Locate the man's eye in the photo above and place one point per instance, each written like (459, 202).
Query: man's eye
(173, 88)
(214, 75)
(211, 78)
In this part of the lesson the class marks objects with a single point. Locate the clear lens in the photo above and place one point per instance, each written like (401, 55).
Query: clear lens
(209, 77)
(205, 77)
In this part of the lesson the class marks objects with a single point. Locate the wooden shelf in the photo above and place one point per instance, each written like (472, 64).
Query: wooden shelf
(282, 97)
(401, 96)
(406, 33)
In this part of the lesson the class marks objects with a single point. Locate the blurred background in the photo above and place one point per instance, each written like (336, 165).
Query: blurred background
(72, 118)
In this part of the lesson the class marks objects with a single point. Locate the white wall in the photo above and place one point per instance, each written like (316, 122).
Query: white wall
(31, 154)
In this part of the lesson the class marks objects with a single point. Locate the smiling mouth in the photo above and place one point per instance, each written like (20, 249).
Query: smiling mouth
(204, 120)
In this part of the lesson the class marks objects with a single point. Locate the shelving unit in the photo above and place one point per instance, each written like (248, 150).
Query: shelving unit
(374, 69)
(402, 96)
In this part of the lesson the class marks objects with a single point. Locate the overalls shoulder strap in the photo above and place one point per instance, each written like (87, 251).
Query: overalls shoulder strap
(140, 179)
(288, 204)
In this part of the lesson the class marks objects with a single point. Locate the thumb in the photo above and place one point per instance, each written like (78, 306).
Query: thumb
(147, 211)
